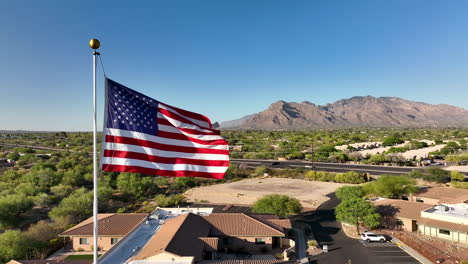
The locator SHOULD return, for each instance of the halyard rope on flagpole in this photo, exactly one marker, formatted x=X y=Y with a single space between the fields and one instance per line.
x=95 y=44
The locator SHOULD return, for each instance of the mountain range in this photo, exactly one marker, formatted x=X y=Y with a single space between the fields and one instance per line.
x=358 y=111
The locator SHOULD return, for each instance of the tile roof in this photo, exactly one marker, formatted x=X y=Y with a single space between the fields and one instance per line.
x=444 y=225
x=401 y=208
x=108 y=225
x=241 y=225
x=179 y=236
x=442 y=192
x=190 y=234
x=211 y=243
x=273 y=220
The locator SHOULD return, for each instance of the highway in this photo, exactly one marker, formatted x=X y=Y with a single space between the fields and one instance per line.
x=374 y=170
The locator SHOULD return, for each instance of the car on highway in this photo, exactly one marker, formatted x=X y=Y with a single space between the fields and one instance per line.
x=275 y=163
x=373 y=237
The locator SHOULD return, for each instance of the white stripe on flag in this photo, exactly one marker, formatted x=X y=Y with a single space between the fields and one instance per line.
x=172 y=129
x=162 y=166
x=163 y=153
x=180 y=124
x=202 y=124
x=167 y=141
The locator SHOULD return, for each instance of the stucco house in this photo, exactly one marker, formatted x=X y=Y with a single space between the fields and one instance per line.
x=448 y=221
x=112 y=228
x=194 y=238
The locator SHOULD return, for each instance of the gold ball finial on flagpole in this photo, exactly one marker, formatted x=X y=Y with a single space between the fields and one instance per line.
x=94 y=44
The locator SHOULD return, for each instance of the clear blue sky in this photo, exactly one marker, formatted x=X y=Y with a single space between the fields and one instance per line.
x=226 y=59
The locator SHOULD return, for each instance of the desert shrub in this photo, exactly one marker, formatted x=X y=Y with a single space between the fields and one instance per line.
x=350 y=177
x=280 y=205
x=460 y=185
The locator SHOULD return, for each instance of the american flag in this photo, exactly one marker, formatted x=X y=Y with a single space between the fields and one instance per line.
x=142 y=135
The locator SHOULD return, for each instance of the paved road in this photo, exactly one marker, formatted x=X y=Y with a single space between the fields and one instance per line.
x=342 y=248
x=328 y=166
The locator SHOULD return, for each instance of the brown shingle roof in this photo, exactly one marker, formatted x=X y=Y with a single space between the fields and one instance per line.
x=108 y=225
x=406 y=209
x=241 y=225
x=443 y=224
x=178 y=236
x=442 y=192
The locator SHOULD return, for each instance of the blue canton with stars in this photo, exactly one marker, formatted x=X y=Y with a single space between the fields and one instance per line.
x=130 y=110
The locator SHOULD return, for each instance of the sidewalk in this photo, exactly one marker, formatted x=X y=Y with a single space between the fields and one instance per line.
x=411 y=251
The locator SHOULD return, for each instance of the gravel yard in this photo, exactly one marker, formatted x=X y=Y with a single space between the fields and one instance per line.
x=310 y=193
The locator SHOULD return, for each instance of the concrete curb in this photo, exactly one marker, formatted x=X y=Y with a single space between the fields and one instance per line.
x=411 y=251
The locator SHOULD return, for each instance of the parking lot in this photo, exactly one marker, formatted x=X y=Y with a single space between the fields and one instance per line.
x=388 y=253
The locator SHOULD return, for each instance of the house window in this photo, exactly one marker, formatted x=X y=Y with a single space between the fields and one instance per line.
x=419 y=200
x=84 y=241
x=444 y=232
x=259 y=241
x=114 y=240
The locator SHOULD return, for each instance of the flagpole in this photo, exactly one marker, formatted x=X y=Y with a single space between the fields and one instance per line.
x=94 y=44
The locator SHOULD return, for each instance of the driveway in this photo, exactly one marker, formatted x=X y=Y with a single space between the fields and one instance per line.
x=342 y=249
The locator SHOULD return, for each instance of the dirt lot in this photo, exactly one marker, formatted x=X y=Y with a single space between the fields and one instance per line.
x=245 y=192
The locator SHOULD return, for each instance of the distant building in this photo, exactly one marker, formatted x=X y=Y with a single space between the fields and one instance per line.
x=435 y=215
x=112 y=228
x=436 y=195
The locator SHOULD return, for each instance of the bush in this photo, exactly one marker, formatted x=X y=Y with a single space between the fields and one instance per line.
x=348 y=192
x=433 y=174
x=391 y=186
x=460 y=185
x=351 y=177
x=168 y=201
x=312 y=243
x=280 y=205
x=457 y=176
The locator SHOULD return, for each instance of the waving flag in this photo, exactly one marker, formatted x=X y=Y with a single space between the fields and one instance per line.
x=142 y=135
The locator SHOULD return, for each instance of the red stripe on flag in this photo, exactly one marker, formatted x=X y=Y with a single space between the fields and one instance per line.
x=170 y=135
x=148 y=171
x=162 y=121
x=165 y=160
x=154 y=145
x=190 y=114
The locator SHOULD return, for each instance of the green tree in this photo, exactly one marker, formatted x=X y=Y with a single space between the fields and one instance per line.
x=79 y=206
x=185 y=182
x=392 y=186
x=457 y=176
x=280 y=205
x=135 y=186
x=392 y=141
x=61 y=190
x=351 y=177
x=13 y=156
x=357 y=211
x=14 y=245
x=11 y=206
x=324 y=151
x=377 y=159
x=348 y=192
x=433 y=174
x=261 y=170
